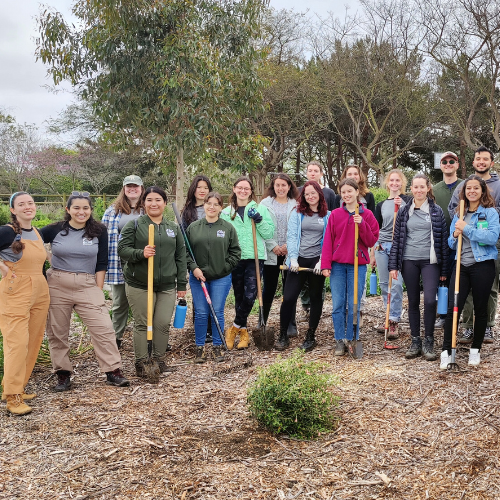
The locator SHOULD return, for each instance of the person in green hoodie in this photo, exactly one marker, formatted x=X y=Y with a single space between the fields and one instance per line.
x=170 y=271
x=217 y=252
x=240 y=212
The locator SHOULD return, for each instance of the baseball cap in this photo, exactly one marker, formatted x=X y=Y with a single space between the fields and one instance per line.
x=447 y=154
x=132 y=179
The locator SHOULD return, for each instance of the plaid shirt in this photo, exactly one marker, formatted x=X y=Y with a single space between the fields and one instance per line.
x=114 y=274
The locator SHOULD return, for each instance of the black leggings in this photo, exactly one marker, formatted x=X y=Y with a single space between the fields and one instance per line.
x=412 y=271
x=244 y=282
x=294 y=283
x=479 y=277
x=270 y=276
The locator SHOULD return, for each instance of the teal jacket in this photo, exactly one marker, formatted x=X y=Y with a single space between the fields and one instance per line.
x=265 y=230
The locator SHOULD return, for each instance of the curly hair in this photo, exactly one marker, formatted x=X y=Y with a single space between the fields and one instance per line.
x=93 y=228
x=188 y=213
x=18 y=245
x=486 y=199
x=233 y=201
x=303 y=206
x=363 y=188
x=293 y=192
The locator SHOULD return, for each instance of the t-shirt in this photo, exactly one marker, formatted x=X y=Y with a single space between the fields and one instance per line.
x=467 y=258
x=124 y=218
x=385 y=235
x=72 y=252
x=311 y=236
x=281 y=213
x=7 y=237
x=200 y=211
x=418 y=236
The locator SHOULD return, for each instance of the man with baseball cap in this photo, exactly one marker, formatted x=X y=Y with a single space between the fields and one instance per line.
x=443 y=192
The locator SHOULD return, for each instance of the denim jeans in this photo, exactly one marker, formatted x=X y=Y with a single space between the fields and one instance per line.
x=382 y=258
x=342 y=280
x=218 y=291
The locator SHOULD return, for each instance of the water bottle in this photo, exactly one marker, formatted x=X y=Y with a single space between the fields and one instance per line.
x=373 y=282
x=180 y=314
x=442 y=299
x=482 y=223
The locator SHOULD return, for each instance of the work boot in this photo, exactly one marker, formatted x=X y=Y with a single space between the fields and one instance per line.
x=428 y=349
x=63 y=381
x=466 y=336
x=140 y=369
x=339 y=348
x=488 y=335
x=164 y=368
x=201 y=357
x=310 y=341
x=16 y=405
x=116 y=378
x=393 y=332
x=292 y=328
x=415 y=348
x=244 y=339
x=381 y=328
x=231 y=333
x=283 y=341
x=26 y=397
x=218 y=354
x=119 y=343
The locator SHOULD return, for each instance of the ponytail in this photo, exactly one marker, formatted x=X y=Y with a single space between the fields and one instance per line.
x=18 y=245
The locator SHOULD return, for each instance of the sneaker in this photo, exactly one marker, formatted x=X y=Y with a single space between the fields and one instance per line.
x=201 y=357
x=440 y=323
x=445 y=360
x=393 y=333
x=428 y=349
x=488 y=335
x=381 y=328
x=415 y=348
x=466 y=336
x=339 y=348
x=16 y=405
x=218 y=354
x=116 y=378
x=63 y=381
x=474 y=357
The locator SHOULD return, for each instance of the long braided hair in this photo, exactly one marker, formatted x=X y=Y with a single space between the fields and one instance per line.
x=18 y=245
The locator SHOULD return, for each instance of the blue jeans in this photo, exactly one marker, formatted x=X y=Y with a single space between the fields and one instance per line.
x=382 y=258
x=218 y=291
x=342 y=279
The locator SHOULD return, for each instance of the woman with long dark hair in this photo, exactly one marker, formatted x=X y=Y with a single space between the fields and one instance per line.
x=79 y=246
x=194 y=208
x=306 y=229
x=24 y=300
x=127 y=206
x=479 y=229
x=242 y=209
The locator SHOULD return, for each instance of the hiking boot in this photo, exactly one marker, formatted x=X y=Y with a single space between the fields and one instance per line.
x=63 y=381
x=440 y=322
x=283 y=341
x=119 y=343
x=466 y=336
x=231 y=333
x=26 y=397
x=339 y=348
x=140 y=369
x=445 y=360
x=310 y=341
x=16 y=405
x=415 y=348
x=244 y=339
x=428 y=349
x=381 y=328
x=488 y=335
x=201 y=357
x=474 y=357
x=218 y=354
x=164 y=368
x=393 y=332
x=116 y=378
x=292 y=328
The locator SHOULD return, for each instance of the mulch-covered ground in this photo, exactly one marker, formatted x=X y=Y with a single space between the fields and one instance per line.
x=406 y=431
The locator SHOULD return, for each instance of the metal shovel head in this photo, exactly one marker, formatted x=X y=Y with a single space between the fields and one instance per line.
x=265 y=334
x=355 y=348
x=152 y=371
x=453 y=366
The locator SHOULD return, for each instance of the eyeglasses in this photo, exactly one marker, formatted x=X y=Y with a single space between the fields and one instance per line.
x=212 y=205
x=83 y=194
x=242 y=188
x=445 y=162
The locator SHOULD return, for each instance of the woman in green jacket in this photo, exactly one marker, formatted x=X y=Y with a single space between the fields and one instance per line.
x=216 y=249
x=240 y=212
x=170 y=271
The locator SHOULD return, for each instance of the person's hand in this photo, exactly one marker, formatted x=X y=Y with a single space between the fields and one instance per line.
x=149 y=251
x=459 y=226
x=284 y=249
x=294 y=265
x=317 y=268
x=253 y=214
x=277 y=250
x=394 y=275
x=4 y=269
x=373 y=261
x=357 y=219
x=442 y=278
x=198 y=274
x=398 y=200
x=326 y=273
x=181 y=295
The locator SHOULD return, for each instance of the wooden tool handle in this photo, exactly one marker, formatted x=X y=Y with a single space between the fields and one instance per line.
x=151 y=242
x=356 y=236
x=457 y=280
x=257 y=266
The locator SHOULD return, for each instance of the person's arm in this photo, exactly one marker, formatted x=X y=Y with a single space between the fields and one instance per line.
x=327 y=247
x=368 y=229
x=189 y=260
x=378 y=214
x=488 y=236
x=292 y=235
x=454 y=201
x=180 y=261
x=266 y=227
x=452 y=240
x=99 y=278
x=126 y=244
x=370 y=202
x=102 y=253
x=51 y=231
x=234 y=250
x=395 y=249
x=444 y=248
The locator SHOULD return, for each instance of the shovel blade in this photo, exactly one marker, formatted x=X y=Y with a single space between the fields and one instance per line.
x=265 y=336
x=355 y=349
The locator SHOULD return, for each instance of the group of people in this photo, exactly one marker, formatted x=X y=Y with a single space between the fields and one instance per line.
x=302 y=234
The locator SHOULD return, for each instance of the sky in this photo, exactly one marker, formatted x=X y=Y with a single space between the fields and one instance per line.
x=24 y=81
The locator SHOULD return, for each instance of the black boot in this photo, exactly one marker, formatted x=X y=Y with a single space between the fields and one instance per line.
x=310 y=341
x=63 y=381
x=415 y=348
x=428 y=349
x=292 y=328
x=283 y=341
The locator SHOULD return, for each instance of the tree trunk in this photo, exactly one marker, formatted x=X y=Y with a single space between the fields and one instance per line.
x=297 y=167
x=463 y=147
x=179 y=186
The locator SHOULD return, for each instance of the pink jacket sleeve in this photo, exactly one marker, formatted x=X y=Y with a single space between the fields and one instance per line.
x=327 y=250
x=368 y=229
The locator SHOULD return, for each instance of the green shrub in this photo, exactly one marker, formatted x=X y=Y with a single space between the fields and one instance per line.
x=4 y=214
x=292 y=397
x=99 y=208
x=380 y=194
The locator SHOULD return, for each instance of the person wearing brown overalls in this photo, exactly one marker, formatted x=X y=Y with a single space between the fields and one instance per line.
x=24 y=300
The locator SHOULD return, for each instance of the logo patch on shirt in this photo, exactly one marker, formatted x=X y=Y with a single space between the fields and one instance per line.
x=427 y=218
x=87 y=241
x=321 y=221
x=221 y=234
x=170 y=233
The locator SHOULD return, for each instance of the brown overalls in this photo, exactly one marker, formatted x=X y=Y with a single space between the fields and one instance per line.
x=24 y=304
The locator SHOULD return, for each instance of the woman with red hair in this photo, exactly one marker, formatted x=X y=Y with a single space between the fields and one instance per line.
x=306 y=229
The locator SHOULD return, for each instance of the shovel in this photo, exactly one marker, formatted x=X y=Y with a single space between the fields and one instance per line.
x=355 y=347
x=453 y=366
x=263 y=336
x=301 y=269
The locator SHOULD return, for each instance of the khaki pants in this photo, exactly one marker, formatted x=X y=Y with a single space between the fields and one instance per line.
x=163 y=308
x=79 y=291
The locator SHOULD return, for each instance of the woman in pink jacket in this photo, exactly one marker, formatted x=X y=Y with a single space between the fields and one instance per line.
x=337 y=258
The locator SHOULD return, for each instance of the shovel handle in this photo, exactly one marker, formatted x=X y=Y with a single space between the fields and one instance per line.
x=151 y=242
x=457 y=281
x=257 y=266
x=305 y=269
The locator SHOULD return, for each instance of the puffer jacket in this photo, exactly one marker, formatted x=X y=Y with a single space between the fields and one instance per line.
x=439 y=234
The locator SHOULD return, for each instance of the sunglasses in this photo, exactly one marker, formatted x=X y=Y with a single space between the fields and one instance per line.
x=83 y=194
x=445 y=162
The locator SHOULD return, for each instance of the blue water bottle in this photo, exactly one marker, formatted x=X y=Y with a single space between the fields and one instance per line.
x=442 y=299
x=180 y=314
x=373 y=282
